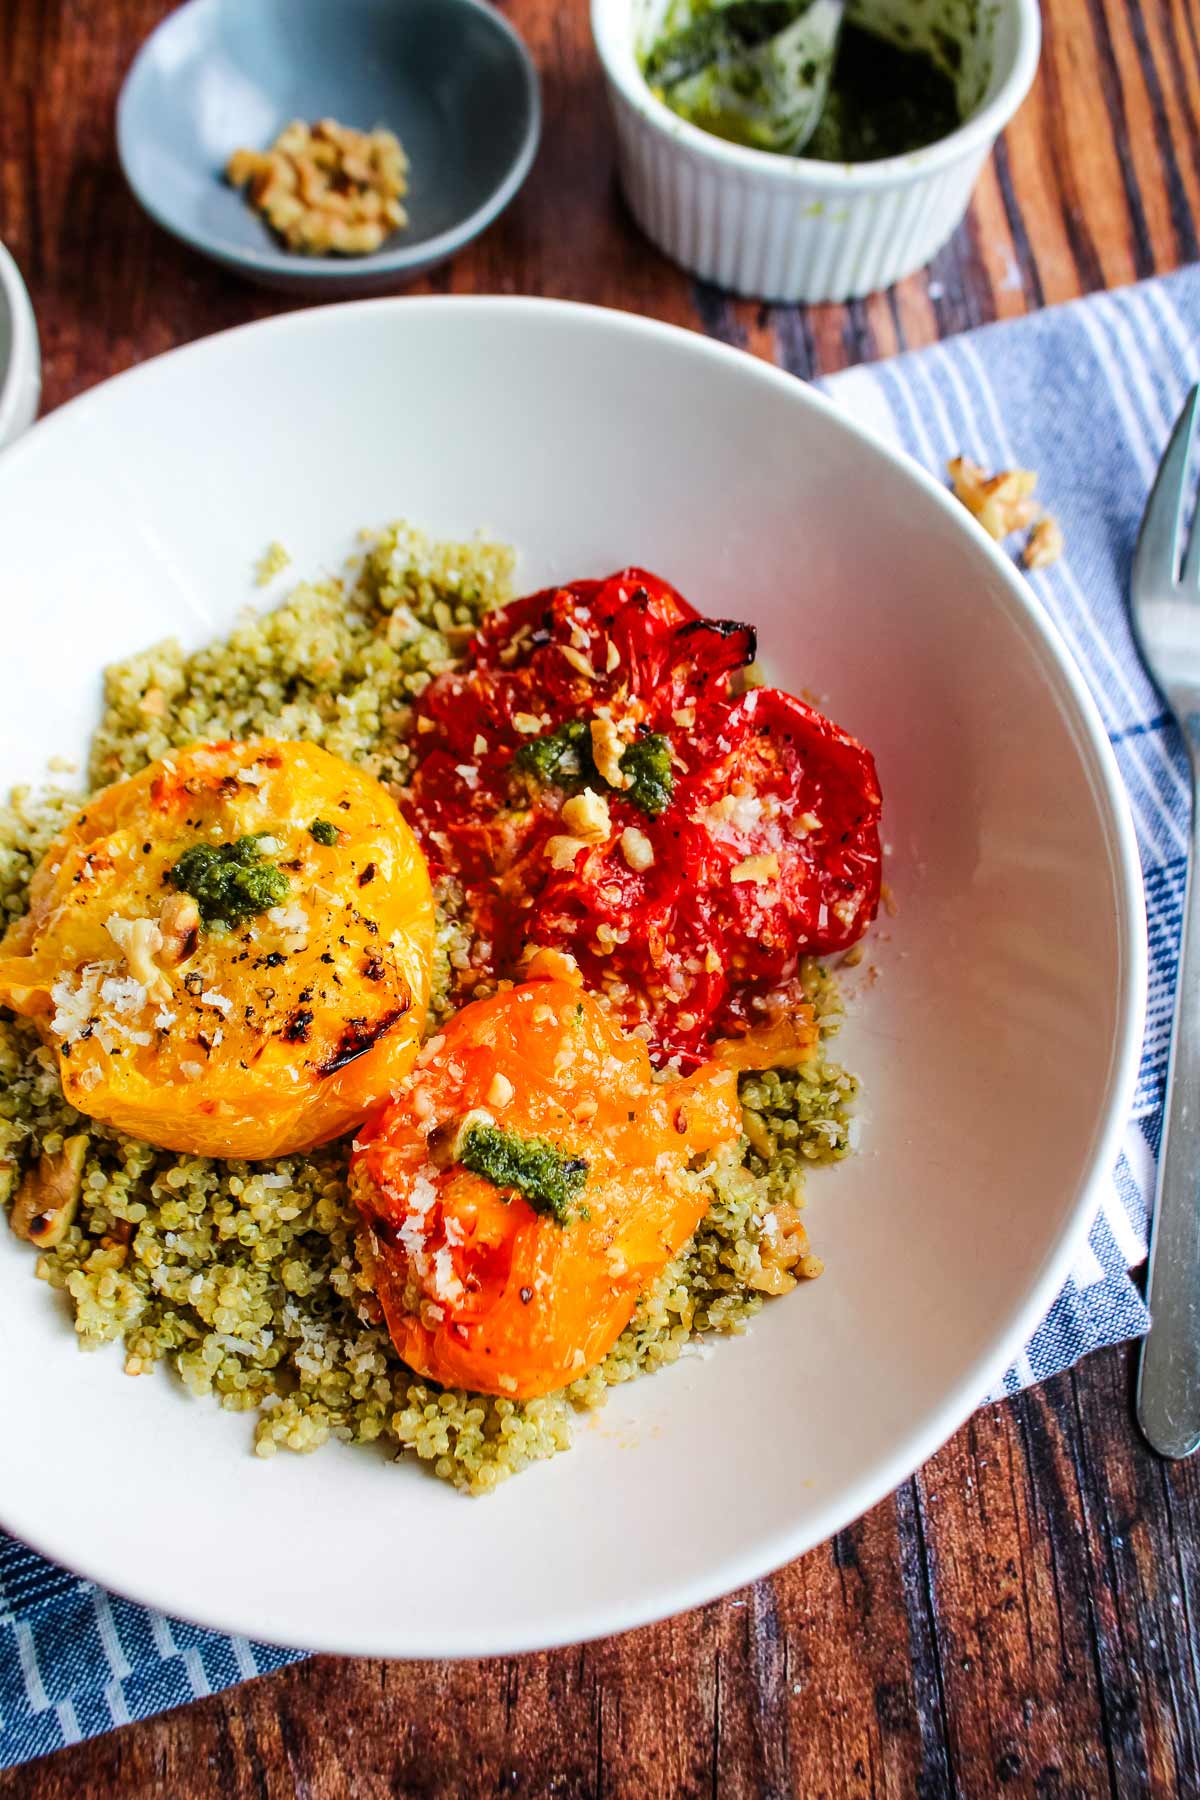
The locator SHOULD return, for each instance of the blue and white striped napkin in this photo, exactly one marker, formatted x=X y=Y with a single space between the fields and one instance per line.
x=1086 y=395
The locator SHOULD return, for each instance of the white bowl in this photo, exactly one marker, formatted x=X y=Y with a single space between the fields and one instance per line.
x=20 y=362
x=788 y=229
x=997 y=1045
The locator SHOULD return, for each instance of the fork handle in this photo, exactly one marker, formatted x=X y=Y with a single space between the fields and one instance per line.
x=1168 y=1398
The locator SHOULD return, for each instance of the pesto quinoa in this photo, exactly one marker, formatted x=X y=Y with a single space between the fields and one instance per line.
x=244 y=1277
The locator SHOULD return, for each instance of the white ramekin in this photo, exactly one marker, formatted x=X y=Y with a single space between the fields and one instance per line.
x=787 y=229
x=20 y=360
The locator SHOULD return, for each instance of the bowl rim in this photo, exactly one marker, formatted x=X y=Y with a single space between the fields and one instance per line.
x=404 y=258
x=21 y=379
x=609 y=21
x=453 y=1639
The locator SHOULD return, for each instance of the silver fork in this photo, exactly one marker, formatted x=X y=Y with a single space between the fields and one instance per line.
x=1165 y=596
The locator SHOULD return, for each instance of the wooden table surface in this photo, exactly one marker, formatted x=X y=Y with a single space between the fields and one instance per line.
x=1021 y=1617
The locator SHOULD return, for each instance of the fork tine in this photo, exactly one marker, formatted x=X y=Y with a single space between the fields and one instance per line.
x=1191 y=559
x=1156 y=559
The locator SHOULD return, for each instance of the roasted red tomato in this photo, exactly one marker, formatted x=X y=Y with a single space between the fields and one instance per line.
x=596 y=785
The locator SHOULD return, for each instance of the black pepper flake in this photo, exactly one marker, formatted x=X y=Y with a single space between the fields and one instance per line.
x=526 y=1296
x=345 y=805
x=145 y=849
x=326 y=957
x=367 y=876
x=298 y=1026
x=194 y=984
x=373 y=967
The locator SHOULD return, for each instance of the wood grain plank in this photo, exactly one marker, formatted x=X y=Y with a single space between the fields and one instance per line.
x=1021 y=1619
x=1007 y=263
x=1016 y=1650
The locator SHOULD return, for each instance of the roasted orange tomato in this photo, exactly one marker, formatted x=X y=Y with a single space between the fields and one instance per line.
x=529 y=1180
x=229 y=951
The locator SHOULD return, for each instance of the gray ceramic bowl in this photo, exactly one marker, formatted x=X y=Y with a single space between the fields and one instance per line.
x=450 y=77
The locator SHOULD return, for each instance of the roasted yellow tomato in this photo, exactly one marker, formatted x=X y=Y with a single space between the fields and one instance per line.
x=528 y=1181
x=230 y=951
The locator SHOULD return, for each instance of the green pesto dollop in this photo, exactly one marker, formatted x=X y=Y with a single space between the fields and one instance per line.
x=646 y=765
x=229 y=882
x=547 y=1177
x=323 y=832
x=563 y=758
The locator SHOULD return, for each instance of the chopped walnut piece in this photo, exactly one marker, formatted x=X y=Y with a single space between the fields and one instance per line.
x=637 y=849
x=539 y=963
x=782 y=1250
x=48 y=1196
x=1044 y=545
x=501 y=1091
x=607 y=751
x=578 y=661
x=327 y=187
x=1002 y=503
x=587 y=816
x=562 y=850
x=179 y=928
